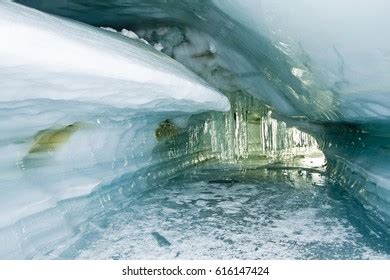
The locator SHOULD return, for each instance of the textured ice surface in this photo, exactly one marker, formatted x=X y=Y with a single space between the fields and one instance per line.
x=358 y=153
x=337 y=49
x=253 y=215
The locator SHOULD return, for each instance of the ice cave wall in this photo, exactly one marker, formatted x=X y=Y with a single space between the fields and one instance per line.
x=73 y=108
x=310 y=78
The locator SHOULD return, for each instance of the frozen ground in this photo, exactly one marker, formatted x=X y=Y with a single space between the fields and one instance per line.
x=271 y=214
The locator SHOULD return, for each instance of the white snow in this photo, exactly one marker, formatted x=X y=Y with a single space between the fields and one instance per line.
x=56 y=72
x=64 y=60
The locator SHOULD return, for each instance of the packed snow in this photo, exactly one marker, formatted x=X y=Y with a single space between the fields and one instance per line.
x=70 y=96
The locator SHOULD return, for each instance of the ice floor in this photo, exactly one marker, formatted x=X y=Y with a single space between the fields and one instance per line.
x=227 y=214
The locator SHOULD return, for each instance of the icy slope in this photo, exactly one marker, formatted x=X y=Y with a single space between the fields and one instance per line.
x=73 y=103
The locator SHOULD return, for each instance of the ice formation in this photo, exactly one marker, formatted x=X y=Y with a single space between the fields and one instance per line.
x=71 y=97
x=90 y=114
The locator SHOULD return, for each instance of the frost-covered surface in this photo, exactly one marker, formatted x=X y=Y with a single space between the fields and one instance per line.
x=249 y=216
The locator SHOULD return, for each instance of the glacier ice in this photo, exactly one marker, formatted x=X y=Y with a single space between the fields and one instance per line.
x=338 y=49
x=343 y=64
x=92 y=66
x=70 y=87
x=93 y=109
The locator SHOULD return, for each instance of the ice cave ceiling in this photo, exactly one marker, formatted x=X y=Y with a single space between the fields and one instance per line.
x=317 y=72
x=315 y=67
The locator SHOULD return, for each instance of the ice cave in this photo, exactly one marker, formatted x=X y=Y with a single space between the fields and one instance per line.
x=194 y=129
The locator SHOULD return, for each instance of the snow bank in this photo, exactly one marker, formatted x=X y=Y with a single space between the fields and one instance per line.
x=79 y=106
